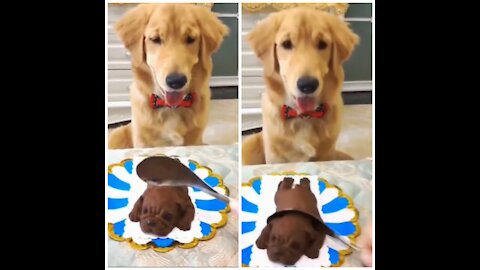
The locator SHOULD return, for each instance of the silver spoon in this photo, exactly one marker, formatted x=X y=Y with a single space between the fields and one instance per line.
x=166 y=171
x=335 y=236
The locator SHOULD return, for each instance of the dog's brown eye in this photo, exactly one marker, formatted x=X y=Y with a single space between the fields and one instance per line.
x=167 y=216
x=190 y=40
x=287 y=44
x=156 y=40
x=144 y=210
x=322 y=45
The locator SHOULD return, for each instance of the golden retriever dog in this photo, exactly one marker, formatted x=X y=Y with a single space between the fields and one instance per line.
x=171 y=47
x=302 y=51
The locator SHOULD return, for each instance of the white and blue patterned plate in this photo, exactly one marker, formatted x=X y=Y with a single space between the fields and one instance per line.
x=335 y=207
x=125 y=187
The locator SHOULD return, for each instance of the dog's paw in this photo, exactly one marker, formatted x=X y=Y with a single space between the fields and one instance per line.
x=195 y=122
x=175 y=139
x=276 y=159
x=307 y=149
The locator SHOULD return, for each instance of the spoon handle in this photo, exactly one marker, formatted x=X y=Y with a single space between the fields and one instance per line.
x=201 y=185
x=215 y=194
x=351 y=245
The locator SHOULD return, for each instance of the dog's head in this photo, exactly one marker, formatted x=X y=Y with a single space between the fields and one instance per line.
x=172 y=42
x=160 y=209
x=288 y=237
x=302 y=51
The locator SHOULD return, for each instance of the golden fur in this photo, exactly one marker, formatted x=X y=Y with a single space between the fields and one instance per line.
x=297 y=140
x=173 y=24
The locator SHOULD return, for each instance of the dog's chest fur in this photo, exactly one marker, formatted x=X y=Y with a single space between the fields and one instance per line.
x=166 y=126
x=299 y=139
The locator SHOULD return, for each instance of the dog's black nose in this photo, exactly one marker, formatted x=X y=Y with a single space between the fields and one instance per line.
x=176 y=80
x=307 y=84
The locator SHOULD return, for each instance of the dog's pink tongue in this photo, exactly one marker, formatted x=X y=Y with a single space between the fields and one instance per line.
x=174 y=98
x=306 y=104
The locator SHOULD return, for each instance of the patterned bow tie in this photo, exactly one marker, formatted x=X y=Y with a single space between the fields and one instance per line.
x=289 y=112
x=157 y=102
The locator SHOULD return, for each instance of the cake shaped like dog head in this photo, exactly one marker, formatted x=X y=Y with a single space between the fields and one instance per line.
x=296 y=228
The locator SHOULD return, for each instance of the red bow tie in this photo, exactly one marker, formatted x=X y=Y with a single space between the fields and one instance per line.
x=289 y=112
x=157 y=102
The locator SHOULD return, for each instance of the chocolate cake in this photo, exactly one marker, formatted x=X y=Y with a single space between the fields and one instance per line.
x=162 y=208
x=296 y=228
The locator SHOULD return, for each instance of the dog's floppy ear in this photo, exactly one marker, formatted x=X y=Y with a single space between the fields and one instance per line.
x=262 y=41
x=344 y=41
x=188 y=212
x=212 y=32
x=137 y=210
x=262 y=241
x=315 y=241
x=130 y=28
